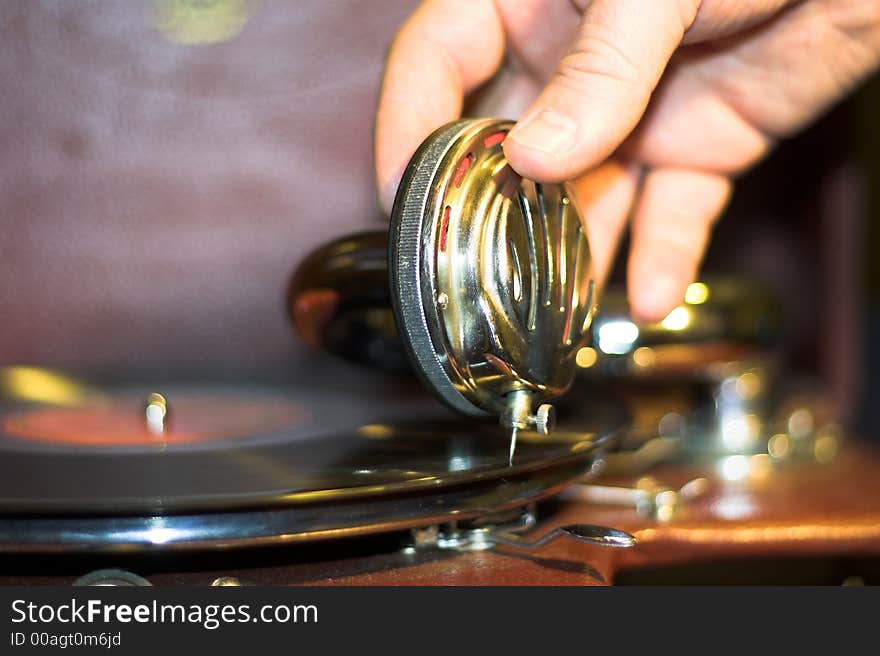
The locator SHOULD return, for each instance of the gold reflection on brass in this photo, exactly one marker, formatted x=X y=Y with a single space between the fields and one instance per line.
x=35 y=385
x=779 y=446
x=586 y=357
x=697 y=293
x=644 y=356
x=197 y=22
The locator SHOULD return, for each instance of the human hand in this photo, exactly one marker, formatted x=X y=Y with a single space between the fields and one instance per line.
x=649 y=107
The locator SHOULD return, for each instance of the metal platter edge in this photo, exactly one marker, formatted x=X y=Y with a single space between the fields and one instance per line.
x=278 y=526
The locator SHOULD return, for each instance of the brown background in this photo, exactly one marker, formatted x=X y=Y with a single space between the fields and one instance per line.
x=155 y=196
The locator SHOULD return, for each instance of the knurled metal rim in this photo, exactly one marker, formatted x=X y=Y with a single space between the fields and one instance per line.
x=408 y=225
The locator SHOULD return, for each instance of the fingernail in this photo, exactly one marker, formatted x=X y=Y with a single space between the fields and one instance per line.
x=546 y=131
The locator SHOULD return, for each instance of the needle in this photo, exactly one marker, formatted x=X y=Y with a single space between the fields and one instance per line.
x=512 y=445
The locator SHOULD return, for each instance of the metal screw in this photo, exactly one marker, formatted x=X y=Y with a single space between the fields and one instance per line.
x=518 y=413
x=156 y=413
x=545 y=419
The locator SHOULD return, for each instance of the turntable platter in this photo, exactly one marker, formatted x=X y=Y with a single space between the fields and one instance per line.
x=249 y=465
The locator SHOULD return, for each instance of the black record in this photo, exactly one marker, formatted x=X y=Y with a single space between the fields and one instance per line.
x=248 y=465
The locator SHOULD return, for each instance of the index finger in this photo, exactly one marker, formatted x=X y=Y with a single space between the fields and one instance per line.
x=443 y=51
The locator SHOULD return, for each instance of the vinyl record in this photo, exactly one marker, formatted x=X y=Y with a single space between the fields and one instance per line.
x=245 y=465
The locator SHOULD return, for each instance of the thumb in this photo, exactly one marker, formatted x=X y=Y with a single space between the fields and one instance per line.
x=600 y=89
